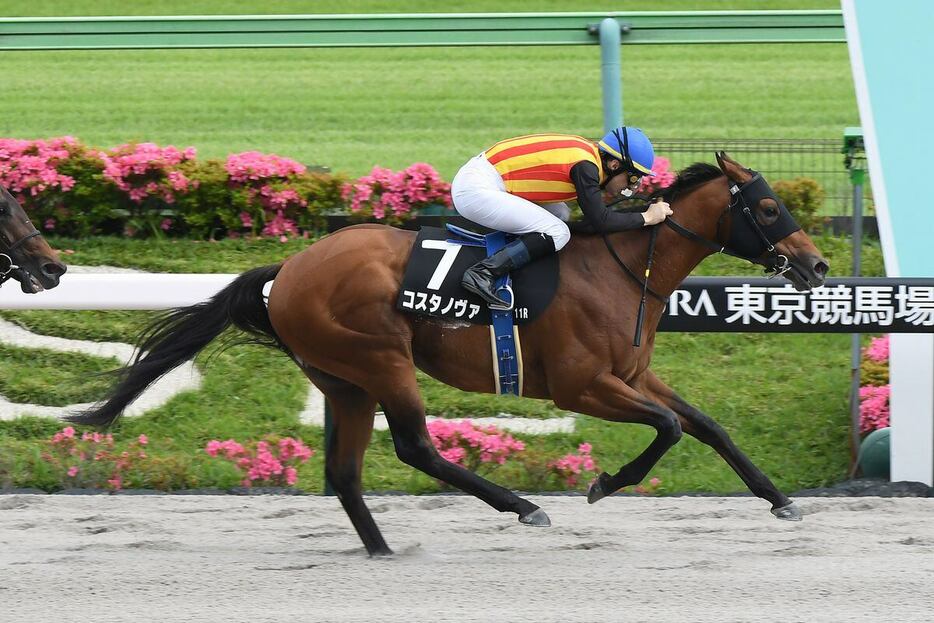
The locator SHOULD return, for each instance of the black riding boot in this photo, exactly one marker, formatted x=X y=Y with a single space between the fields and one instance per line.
x=481 y=277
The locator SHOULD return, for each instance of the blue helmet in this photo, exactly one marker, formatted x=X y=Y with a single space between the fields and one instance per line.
x=632 y=147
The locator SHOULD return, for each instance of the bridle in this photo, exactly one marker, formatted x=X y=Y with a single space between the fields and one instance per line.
x=750 y=192
x=737 y=246
x=8 y=268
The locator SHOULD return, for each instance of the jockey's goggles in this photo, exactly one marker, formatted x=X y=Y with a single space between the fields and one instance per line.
x=634 y=181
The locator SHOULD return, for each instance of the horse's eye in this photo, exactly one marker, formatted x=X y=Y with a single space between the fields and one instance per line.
x=771 y=212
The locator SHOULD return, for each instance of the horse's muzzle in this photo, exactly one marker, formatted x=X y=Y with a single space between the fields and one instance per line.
x=50 y=272
x=807 y=272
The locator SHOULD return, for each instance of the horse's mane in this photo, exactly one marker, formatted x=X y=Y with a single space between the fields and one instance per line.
x=688 y=178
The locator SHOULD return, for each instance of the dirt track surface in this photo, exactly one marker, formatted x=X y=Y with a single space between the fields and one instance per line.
x=282 y=558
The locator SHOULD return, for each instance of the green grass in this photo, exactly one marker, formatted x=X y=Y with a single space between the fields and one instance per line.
x=351 y=109
x=785 y=403
x=176 y=255
x=794 y=425
x=12 y=8
x=233 y=256
x=446 y=401
x=781 y=397
x=50 y=377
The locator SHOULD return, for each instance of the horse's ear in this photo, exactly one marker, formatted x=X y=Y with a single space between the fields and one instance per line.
x=733 y=170
x=724 y=161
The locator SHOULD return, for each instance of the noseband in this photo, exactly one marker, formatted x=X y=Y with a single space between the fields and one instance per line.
x=7 y=267
x=748 y=193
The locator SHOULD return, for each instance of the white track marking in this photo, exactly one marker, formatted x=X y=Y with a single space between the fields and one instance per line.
x=186 y=377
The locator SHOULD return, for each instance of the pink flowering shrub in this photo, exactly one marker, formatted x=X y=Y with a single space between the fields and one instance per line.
x=28 y=168
x=146 y=171
x=91 y=460
x=541 y=471
x=650 y=488
x=878 y=349
x=255 y=168
x=58 y=182
x=873 y=407
x=875 y=390
x=664 y=177
x=141 y=189
x=394 y=197
x=471 y=446
x=259 y=195
x=570 y=467
x=150 y=179
x=260 y=189
x=270 y=462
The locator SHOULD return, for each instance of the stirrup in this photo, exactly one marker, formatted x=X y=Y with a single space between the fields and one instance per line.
x=512 y=298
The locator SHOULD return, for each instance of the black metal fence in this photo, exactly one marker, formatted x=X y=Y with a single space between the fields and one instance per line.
x=777 y=159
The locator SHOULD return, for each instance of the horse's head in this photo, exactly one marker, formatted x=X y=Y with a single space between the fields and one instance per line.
x=762 y=229
x=24 y=254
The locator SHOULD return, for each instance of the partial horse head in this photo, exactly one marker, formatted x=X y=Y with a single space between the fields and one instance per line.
x=24 y=254
x=763 y=231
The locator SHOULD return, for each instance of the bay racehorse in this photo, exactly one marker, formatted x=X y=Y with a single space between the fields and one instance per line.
x=332 y=309
x=24 y=254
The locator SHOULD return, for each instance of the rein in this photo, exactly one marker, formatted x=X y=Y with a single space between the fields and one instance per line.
x=629 y=271
x=776 y=263
x=640 y=317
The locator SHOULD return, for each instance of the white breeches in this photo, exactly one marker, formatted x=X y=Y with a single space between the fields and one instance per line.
x=479 y=194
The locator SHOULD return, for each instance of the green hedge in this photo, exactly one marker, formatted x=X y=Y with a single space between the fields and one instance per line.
x=141 y=190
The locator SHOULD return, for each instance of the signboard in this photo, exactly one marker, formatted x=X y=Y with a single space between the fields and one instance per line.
x=891 y=48
x=850 y=305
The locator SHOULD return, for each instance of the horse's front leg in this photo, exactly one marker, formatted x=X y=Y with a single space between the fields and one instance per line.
x=405 y=413
x=704 y=429
x=609 y=398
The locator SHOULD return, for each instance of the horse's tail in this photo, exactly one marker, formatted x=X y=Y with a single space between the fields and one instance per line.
x=180 y=334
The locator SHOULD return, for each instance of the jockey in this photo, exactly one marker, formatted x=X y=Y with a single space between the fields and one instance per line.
x=520 y=186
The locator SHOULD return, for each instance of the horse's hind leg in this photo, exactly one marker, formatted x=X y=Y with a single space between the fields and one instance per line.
x=706 y=430
x=406 y=415
x=609 y=398
x=352 y=410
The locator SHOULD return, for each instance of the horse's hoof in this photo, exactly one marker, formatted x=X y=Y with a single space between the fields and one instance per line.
x=789 y=512
x=383 y=552
x=536 y=518
x=596 y=491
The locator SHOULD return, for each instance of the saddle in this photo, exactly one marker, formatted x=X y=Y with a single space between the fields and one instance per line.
x=431 y=283
x=431 y=286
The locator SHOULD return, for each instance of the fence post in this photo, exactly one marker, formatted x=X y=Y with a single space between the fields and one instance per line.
x=855 y=163
x=610 y=44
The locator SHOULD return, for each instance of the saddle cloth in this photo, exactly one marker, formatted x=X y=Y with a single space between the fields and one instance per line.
x=431 y=284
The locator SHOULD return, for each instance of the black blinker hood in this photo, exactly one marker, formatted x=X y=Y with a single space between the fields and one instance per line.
x=748 y=237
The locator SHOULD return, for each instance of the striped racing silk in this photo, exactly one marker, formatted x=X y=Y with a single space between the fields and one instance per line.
x=537 y=167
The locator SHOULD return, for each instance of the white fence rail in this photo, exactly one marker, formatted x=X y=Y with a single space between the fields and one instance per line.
x=118 y=291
